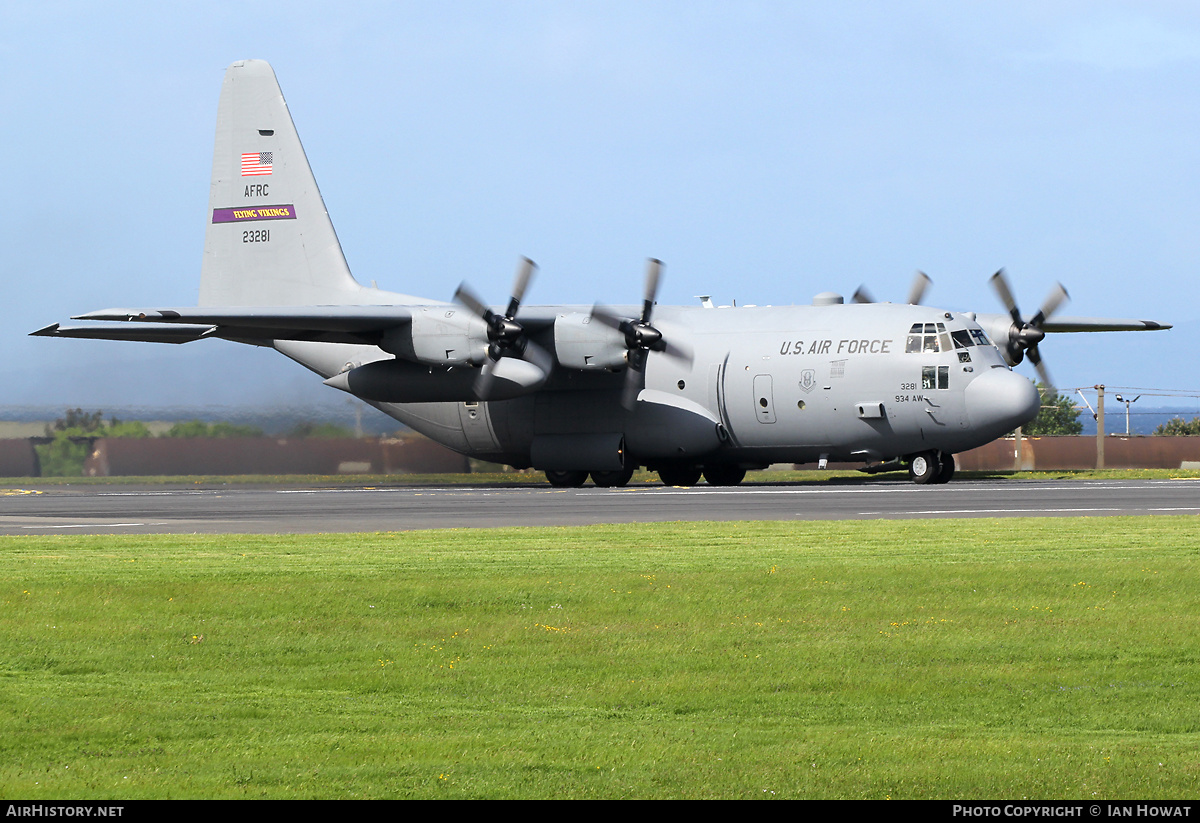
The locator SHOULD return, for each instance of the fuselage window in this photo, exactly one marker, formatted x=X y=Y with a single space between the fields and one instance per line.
x=935 y=377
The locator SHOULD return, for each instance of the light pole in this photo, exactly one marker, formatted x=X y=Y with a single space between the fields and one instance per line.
x=1127 y=401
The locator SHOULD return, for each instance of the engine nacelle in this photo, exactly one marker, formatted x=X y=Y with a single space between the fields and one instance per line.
x=1005 y=334
x=399 y=381
x=581 y=343
x=439 y=336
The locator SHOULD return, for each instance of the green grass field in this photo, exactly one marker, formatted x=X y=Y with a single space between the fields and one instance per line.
x=1043 y=658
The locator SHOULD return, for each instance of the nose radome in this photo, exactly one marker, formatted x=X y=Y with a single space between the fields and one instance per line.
x=1000 y=400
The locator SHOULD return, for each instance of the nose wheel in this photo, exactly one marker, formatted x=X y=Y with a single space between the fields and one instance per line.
x=931 y=467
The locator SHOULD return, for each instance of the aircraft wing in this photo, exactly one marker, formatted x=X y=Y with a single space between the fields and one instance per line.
x=1079 y=324
x=1072 y=324
x=331 y=324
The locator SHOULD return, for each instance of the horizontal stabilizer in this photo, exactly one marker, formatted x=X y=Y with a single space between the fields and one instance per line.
x=330 y=324
x=135 y=332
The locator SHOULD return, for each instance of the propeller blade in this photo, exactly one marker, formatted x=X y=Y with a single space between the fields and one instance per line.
x=468 y=298
x=675 y=344
x=538 y=356
x=1057 y=296
x=635 y=379
x=606 y=317
x=1000 y=284
x=653 y=272
x=483 y=383
x=1035 y=358
x=679 y=351
x=525 y=272
x=862 y=296
x=917 y=290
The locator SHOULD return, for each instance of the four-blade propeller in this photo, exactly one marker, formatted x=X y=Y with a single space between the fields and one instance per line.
x=1024 y=336
x=505 y=335
x=641 y=338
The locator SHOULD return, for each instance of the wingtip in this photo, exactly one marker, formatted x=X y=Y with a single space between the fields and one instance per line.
x=46 y=331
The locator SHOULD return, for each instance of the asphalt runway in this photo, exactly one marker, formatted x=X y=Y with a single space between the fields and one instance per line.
x=297 y=510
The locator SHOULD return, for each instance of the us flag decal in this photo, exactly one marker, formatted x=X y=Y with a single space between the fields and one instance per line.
x=256 y=164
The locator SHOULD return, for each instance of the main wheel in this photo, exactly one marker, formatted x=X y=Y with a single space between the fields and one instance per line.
x=679 y=477
x=724 y=475
x=566 y=479
x=615 y=478
x=947 y=469
x=924 y=467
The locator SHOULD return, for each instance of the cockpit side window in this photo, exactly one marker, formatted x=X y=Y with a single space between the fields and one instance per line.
x=935 y=377
x=962 y=339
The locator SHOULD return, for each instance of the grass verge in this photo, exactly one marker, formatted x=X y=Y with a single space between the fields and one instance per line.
x=1041 y=658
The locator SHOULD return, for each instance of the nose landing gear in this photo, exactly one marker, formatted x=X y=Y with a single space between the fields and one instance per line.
x=931 y=467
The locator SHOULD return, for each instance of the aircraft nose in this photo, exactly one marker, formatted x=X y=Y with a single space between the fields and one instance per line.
x=1000 y=400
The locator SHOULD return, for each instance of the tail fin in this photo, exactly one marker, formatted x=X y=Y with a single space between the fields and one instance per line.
x=269 y=240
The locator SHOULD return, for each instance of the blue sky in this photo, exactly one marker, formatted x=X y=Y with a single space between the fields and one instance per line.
x=766 y=151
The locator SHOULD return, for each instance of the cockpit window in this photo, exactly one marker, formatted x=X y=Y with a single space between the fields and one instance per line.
x=962 y=339
x=966 y=338
x=928 y=337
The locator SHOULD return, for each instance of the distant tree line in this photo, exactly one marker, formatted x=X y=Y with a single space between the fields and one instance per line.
x=1058 y=415
x=1177 y=426
x=198 y=428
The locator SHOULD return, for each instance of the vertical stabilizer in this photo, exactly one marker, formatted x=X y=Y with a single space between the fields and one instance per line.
x=269 y=240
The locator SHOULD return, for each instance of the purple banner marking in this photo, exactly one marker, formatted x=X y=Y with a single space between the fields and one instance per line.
x=242 y=215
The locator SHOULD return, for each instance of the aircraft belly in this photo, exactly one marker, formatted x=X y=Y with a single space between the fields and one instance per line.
x=440 y=422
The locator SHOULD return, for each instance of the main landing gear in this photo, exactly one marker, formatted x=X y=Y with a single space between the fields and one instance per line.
x=718 y=474
x=575 y=479
x=931 y=467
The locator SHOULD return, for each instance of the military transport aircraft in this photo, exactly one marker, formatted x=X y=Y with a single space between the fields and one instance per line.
x=578 y=391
